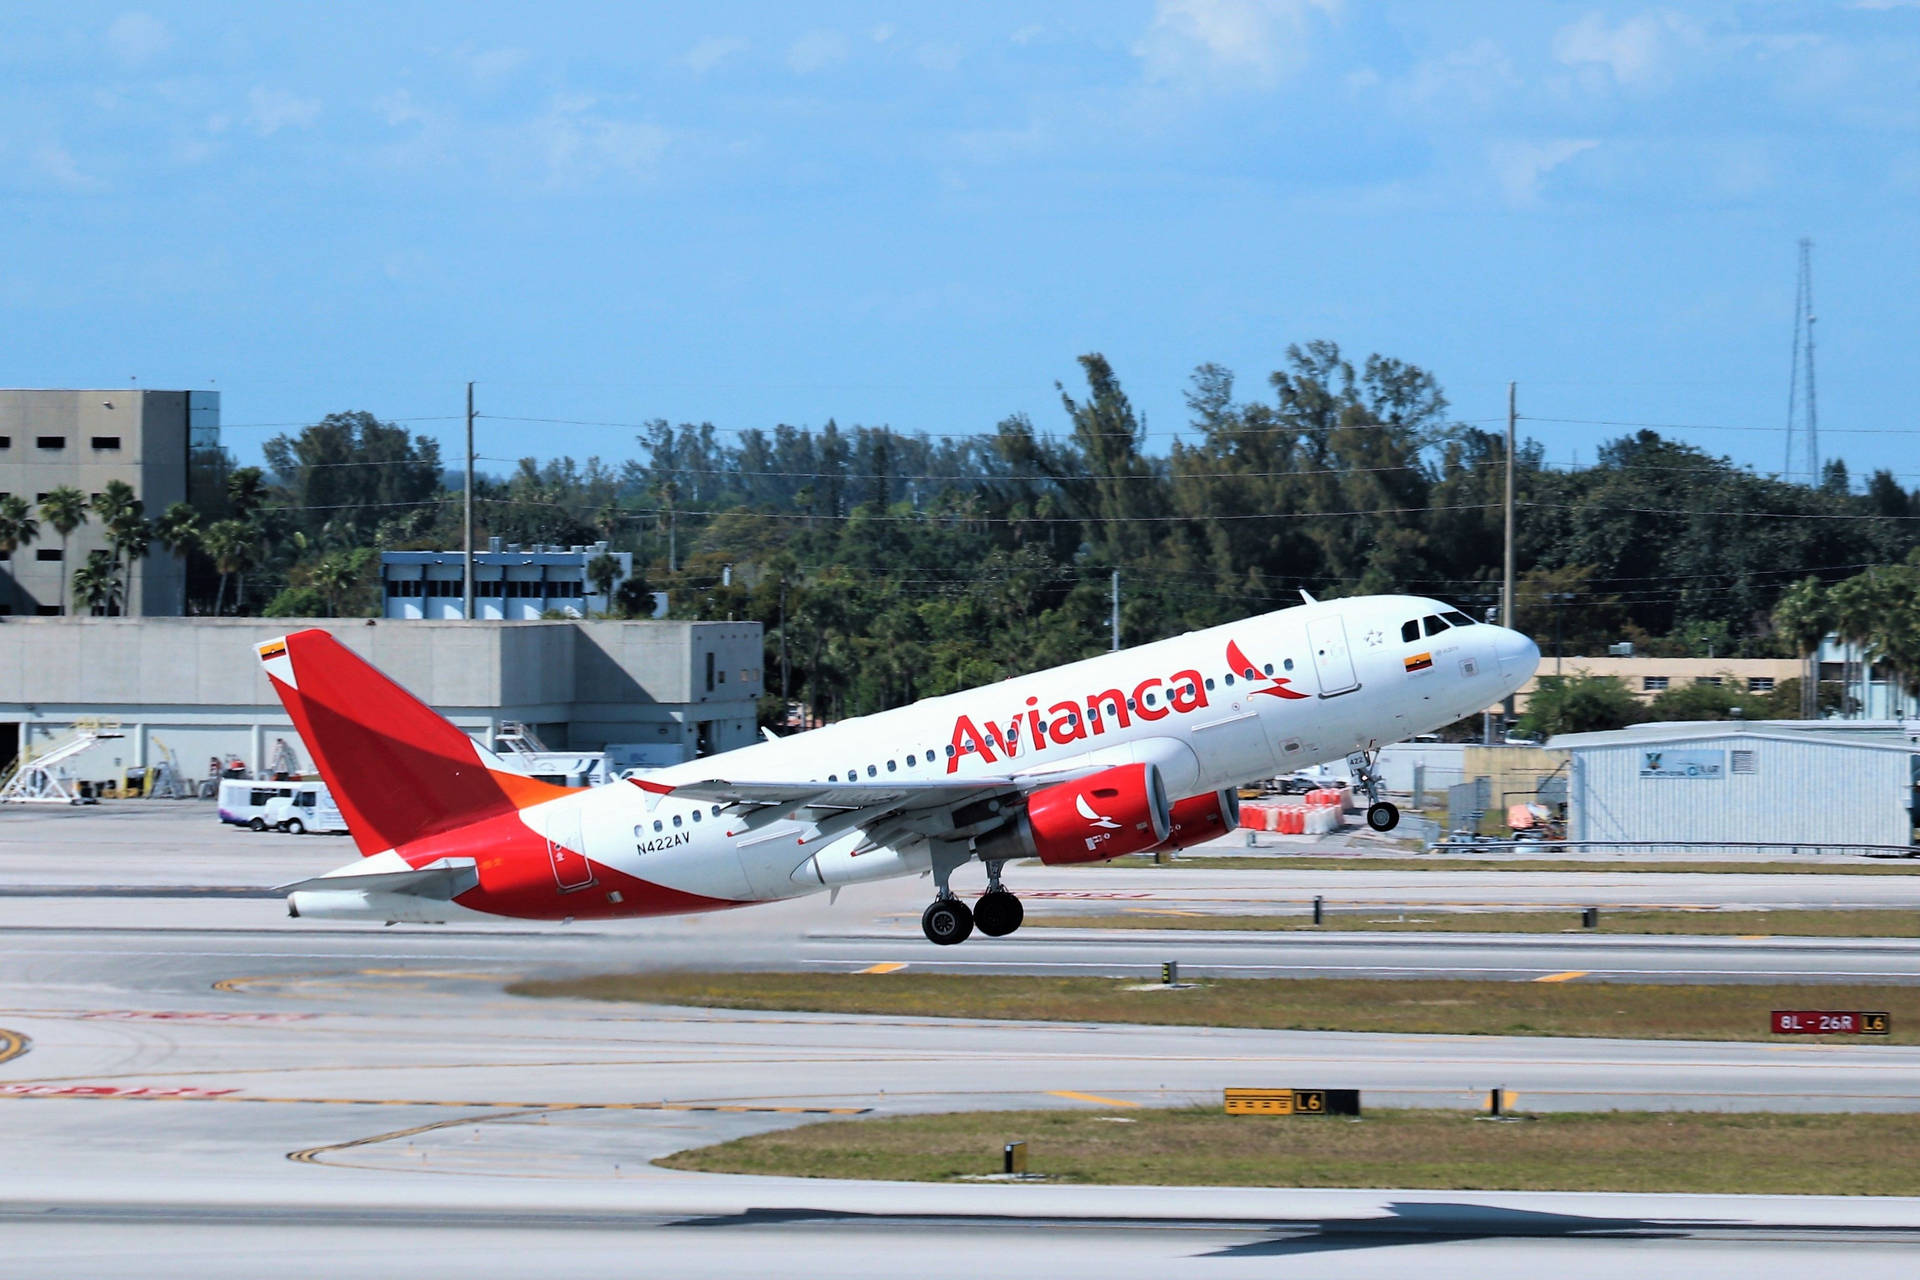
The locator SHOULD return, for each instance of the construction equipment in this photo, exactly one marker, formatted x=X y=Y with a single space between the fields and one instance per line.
x=44 y=779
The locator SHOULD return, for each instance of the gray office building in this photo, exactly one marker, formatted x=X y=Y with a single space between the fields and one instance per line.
x=85 y=439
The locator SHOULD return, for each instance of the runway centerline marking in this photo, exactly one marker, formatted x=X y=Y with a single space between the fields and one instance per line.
x=113 y=1093
x=1094 y=1098
x=1567 y=976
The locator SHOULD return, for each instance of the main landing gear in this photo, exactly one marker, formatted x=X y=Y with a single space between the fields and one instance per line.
x=949 y=921
x=1381 y=815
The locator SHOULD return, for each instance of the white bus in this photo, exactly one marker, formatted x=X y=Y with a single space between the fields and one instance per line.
x=243 y=801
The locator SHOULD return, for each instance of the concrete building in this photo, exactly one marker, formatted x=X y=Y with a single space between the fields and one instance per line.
x=85 y=439
x=1728 y=781
x=510 y=582
x=1646 y=678
x=1870 y=689
x=661 y=692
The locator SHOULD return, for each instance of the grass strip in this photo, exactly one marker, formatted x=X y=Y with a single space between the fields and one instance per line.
x=1558 y=866
x=1650 y=1011
x=1866 y=923
x=1778 y=1154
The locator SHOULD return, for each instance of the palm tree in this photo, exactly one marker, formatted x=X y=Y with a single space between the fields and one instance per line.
x=17 y=525
x=603 y=571
x=1858 y=610
x=231 y=544
x=246 y=490
x=96 y=584
x=333 y=577
x=178 y=530
x=1804 y=615
x=65 y=509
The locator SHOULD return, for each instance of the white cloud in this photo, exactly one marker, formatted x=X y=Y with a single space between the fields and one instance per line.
x=1027 y=34
x=816 y=51
x=57 y=165
x=1519 y=166
x=1639 y=53
x=712 y=51
x=1477 y=74
x=398 y=108
x=271 y=110
x=491 y=65
x=135 y=38
x=883 y=33
x=1256 y=43
x=579 y=142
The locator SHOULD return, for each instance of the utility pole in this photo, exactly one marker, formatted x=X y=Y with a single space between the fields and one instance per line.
x=1506 y=571
x=1506 y=574
x=1116 y=611
x=467 y=594
x=784 y=667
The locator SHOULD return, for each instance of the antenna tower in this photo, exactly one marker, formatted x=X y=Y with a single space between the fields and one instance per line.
x=1803 y=406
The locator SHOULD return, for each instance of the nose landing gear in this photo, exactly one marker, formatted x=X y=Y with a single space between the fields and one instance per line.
x=1381 y=815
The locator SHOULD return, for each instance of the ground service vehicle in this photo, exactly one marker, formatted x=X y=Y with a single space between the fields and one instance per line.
x=309 y=808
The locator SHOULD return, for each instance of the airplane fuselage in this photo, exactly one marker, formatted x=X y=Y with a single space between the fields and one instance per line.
x=1210 y=709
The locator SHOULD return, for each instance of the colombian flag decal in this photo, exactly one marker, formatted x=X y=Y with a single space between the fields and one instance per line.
x=1419 y=662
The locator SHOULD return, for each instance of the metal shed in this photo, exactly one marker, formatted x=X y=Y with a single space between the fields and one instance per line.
x=1733 y=782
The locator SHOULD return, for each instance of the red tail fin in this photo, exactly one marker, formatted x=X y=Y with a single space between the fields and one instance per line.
x=397 y=769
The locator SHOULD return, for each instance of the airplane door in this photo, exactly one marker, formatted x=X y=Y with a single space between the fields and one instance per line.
x=571 y=870
x=1332 y=660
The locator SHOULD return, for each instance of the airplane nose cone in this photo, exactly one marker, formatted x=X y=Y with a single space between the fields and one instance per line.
x=1518 y=655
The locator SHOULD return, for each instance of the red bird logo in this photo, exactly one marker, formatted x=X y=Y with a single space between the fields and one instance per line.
x=1238 y=664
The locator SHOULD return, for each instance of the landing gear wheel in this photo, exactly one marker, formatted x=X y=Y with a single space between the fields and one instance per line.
x=998 y=913
x=947 y=922
x=1382 y=816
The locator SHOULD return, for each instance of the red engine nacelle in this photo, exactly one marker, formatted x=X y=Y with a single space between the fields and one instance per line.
x=1116 y=811
x=1198 y=819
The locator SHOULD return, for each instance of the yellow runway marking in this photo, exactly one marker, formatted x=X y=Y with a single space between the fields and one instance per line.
x=1091 y=1097
x=1568 y=976
x=12 y=1044
x=886 y=966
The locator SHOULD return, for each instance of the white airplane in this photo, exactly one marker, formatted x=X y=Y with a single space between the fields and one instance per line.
x=1128 y=752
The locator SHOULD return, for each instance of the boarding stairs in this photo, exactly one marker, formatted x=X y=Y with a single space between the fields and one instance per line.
x=43 y=779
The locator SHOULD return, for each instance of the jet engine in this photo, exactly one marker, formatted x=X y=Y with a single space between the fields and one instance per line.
x=1104 y=815
x=1198 y=819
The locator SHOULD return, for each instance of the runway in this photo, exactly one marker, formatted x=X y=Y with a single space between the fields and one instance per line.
x=202 y=1087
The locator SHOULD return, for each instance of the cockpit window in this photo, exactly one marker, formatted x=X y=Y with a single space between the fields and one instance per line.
x=1457 y=618
x=1434 y=625
x=1410 y=631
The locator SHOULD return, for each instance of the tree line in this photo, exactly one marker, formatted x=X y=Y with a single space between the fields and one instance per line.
x=888 y=565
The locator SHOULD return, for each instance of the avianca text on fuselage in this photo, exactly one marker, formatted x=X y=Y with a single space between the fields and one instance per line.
x=1064 y=723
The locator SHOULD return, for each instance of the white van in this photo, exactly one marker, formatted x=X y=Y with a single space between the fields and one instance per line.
x=243 y=801
x=309 y=808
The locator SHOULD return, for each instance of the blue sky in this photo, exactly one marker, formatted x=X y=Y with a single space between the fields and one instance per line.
x=919 y=215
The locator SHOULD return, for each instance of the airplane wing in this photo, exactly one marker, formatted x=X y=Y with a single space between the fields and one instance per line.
x=886 y=810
